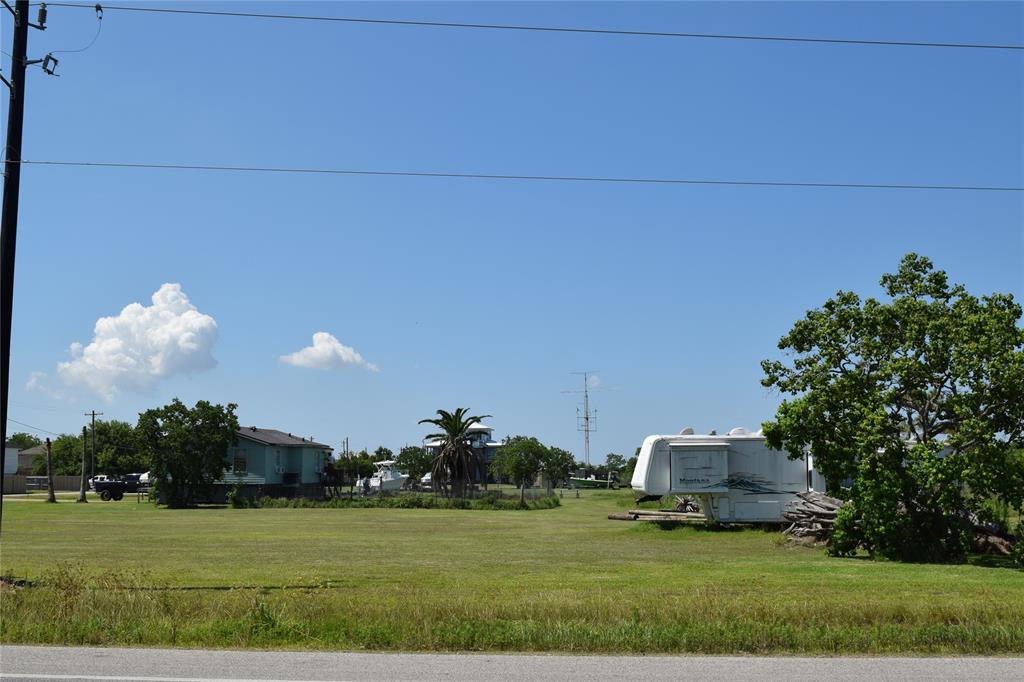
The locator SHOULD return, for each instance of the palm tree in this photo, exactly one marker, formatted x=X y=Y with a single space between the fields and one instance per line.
x=456 y=465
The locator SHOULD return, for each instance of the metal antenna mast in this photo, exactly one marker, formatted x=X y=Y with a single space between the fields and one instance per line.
x=586 y=419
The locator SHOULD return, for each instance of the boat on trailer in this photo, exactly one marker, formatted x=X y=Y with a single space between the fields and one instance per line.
x=735 y=477
x=592 y=481
x=386 y=479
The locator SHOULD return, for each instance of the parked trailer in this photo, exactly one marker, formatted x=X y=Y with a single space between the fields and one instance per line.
x=110 y=490
x=736 y=477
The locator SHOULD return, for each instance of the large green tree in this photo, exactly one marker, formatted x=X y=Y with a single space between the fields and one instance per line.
x=520 y=459
x=415 y=461
x=23 y=441
x=615 y=462
x=186 y=447
x=916 y=402
x=628 y=469
x=117 y=451
x=556 y=465
x=456 y=465
x=66 y=451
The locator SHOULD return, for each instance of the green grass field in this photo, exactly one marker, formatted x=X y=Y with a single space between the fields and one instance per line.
x=564 y=579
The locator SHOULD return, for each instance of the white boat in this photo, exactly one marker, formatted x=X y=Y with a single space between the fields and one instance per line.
x=736 y=476
x=387 y=478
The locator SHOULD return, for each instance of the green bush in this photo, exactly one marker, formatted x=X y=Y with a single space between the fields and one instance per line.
x=1017 y=553
x=236 y=498
x=490 y=501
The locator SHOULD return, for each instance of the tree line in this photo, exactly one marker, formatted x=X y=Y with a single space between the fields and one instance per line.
x=117 y=450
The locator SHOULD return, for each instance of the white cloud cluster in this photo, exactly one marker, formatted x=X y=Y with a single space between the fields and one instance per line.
x=39 y=382
x=327 y=353
x=142 y=345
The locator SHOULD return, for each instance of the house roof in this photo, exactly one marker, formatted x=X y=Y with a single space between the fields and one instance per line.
x=34 y=450
x=275 y=437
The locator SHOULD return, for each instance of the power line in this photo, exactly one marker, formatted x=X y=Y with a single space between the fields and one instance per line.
x=115 y=446
x=545 y=29
x=503 y=176
x=34 y=428
x=99 y=29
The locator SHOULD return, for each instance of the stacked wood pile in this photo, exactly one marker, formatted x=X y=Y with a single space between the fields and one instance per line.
x=811 y=516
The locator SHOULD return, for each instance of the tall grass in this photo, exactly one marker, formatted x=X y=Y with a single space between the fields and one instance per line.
x=490 y=502
x=566 y=579
x=69 y=605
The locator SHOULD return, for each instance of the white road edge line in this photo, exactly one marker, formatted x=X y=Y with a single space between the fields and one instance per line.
x=139 y=678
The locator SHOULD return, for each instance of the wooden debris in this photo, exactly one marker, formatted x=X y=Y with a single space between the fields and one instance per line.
x=686 y=505
x=993 y=544
x=811 y=515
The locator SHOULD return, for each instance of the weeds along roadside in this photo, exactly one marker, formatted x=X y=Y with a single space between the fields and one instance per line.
x=70 y=605
x=485 y=502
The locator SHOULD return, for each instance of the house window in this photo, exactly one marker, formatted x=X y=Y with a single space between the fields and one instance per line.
x=239 y=465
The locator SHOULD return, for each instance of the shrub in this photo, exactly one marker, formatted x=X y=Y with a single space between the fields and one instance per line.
x=236 y=498
x=493 y=501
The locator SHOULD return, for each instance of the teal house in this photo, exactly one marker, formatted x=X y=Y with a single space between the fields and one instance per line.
x=275 y=463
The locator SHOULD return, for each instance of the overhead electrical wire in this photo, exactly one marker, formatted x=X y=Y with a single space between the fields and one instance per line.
x=544 y=29
x=509 y=176
x=34 y=428
x=99 y=29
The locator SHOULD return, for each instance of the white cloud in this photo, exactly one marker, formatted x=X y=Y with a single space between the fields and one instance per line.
x=39 y=382
x=35 y=381
x=593 y=381
x=142 y=345
x=327 y=353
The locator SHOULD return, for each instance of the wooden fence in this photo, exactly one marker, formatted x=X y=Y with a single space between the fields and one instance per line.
x=14 y=485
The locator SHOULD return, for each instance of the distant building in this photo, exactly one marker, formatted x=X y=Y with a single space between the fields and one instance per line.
x=10 y=459
x=275 y=463
x=27 y=459
x=481 y=440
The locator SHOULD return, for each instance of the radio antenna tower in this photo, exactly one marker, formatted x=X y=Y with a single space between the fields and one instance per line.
x=586 y=419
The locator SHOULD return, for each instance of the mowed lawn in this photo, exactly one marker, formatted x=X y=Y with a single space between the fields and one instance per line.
x=565 y=579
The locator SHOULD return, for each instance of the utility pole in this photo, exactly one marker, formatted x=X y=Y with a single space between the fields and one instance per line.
x=92 y=461
x=84 y=484
x=9 y=210
x=9 y=217
x=50 y=497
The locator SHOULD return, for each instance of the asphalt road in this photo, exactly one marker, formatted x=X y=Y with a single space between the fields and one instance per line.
x=182 y=665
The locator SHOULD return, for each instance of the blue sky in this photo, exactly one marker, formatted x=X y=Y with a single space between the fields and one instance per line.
x=480 y=293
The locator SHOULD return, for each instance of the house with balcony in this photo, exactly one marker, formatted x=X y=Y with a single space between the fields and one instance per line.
x=481 y=439
x=274 y=463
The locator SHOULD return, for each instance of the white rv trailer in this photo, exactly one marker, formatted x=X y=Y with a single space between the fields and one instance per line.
x=735 y=477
